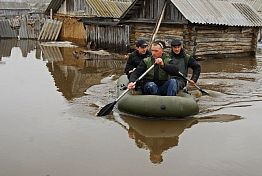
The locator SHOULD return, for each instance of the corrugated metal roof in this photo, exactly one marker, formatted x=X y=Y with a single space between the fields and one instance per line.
x=14 y=5
x=218 y=12
x=106 y=8
x=54 y=5
x=256 y=4
x=6 y=31
x=102 y=8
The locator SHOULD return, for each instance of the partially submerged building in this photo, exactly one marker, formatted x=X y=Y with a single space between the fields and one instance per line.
x=19 y=20
x=92 y=22
x=11 y=9
x=207 y=27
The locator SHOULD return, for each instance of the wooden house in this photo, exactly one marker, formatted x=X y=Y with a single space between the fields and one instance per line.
x=18 y=21
x=92 y=22
x=11 y=9
x=38 y=6
x=207 y=27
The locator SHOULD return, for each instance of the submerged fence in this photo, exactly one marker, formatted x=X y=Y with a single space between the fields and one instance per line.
x=6 y=31
x=25 y=27
x=50 y=30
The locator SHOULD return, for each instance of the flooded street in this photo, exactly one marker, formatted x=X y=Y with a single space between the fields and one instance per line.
x=50 y=95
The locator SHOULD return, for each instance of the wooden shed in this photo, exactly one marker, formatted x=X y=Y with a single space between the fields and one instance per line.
x=11 y=9
x=207 y=27
x=93 y=22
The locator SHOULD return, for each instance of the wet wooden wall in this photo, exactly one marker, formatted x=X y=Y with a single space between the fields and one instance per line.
x=202 y=40
x=22 y=27
x=145 y=31
x=108 y=37
x=221 y=40
x=72 y=29
x=75 y=7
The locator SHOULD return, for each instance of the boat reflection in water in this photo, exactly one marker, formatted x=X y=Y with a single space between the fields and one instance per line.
x=158 y=136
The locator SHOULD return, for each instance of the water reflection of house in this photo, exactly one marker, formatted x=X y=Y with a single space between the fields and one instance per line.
x=229 y=65
x=26 y=46
x=51 y=53
x=208 y=27
x=99 y=17
x=6 y=47
x=73 y=76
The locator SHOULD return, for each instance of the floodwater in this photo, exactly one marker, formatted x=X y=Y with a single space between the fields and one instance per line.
x=50 y=95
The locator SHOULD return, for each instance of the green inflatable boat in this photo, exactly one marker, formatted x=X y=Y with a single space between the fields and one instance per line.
x=180 y=106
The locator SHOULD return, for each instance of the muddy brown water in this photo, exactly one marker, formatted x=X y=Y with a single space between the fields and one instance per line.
x=49 y=99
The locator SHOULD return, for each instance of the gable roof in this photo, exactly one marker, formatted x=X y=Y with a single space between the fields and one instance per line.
x=14 y=5
x=101 y=8
x=54 y=5
x=217 y=12
x=106 y=8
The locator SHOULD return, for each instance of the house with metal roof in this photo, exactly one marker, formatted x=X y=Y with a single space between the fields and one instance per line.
x=10 y=9
x=92 y=22
x=207 y=27
x=17 y=20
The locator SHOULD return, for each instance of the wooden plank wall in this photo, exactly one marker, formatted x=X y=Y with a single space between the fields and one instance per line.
x=150 y=10
x=72 y=30
x=21 y=27
x=145 y=31
x=199 y=40
x=224 y=40
x=6 y=31
x=74 y=7
x=202 y=40
x=108 y=37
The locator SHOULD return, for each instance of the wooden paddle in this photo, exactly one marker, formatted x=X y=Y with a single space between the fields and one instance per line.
x=109 y=107
x=158 y=24
x=201 y=90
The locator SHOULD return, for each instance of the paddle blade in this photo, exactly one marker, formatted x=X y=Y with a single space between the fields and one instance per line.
x=106 y=109
x=203 y=92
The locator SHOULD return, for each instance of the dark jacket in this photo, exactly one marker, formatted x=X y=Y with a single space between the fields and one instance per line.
x=184 y=61
x=170 y=69
x=134 y=60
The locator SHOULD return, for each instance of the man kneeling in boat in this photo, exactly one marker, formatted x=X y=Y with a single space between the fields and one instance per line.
x=157 y=81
